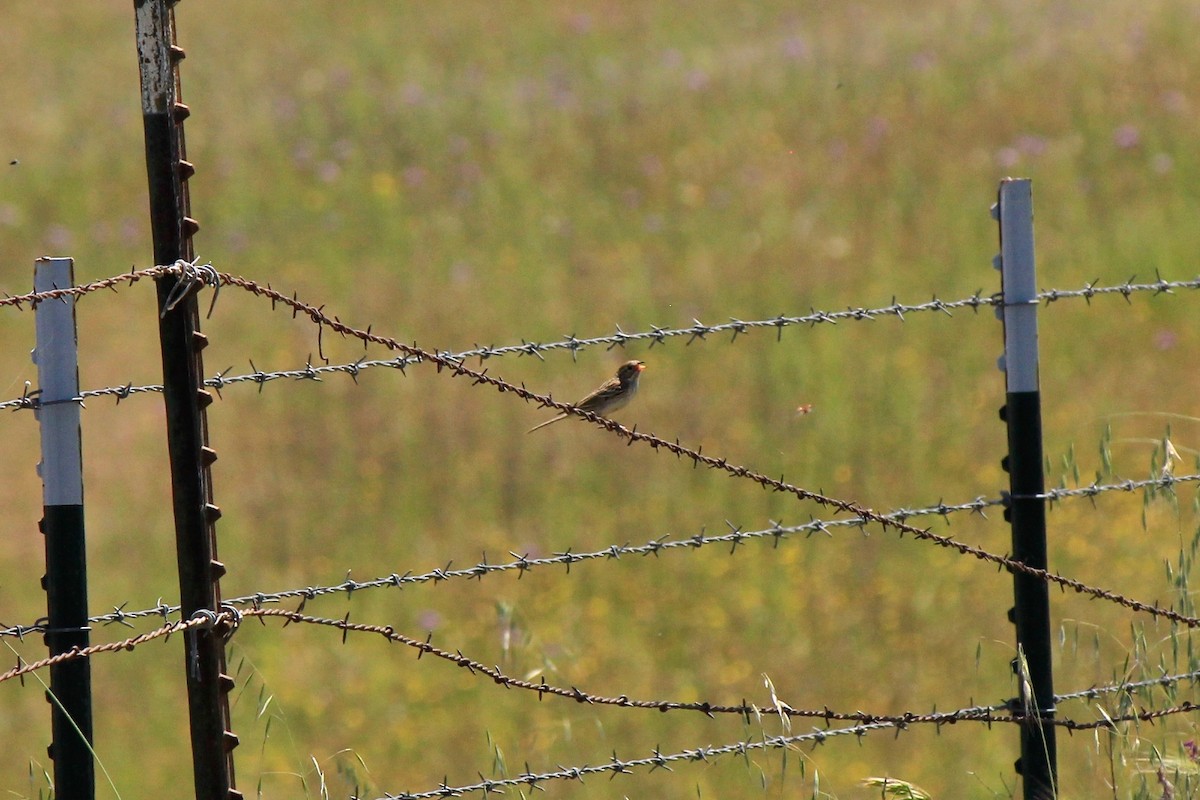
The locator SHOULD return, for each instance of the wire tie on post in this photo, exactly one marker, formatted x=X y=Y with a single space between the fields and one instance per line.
x=193 y=656
x=235 y=620
x=206 y=617
x=73 y=629
x=29 y=399
x=192 y=276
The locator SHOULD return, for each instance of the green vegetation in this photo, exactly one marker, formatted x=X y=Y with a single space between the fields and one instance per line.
x=487 y=172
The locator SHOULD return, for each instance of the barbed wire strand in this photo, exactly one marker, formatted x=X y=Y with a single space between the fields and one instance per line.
x=987 y=714
x=617 y=766
x=205 y=275
x=657 y=334
x=230 y=620
x=206 y=619
x=458 y=369
x=699 y=330
x=735 y=537
x=660 y=760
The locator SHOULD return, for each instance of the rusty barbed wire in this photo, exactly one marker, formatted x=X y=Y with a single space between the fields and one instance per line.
x=204 y=618
x=521 y=564
x=699 y=330
x=659 y=760
x=1007 y=712
x=130 y=278
x=319 y=317
x=458 y=369
x=543 y=688
x=1013 y=713
x=657 y=334
x=864 y=723
x=524 y=563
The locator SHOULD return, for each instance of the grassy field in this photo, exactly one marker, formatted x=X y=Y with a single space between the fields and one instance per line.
x=490 y=172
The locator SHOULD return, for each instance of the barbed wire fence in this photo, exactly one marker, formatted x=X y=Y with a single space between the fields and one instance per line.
x=203 y=274
x=734 y=538
x=206 y=621
x=864 y=722
x=194 y=276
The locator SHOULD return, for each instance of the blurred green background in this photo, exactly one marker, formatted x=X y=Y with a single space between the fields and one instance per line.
x=490 y=172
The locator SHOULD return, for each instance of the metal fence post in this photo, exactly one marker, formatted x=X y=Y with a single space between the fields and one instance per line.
x=61 y=469
x=185 y=398
x=1026 y=507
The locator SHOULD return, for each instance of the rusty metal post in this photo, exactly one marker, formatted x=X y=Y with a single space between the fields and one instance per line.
x=186 y=399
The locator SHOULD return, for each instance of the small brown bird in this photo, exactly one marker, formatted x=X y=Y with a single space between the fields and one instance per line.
x=615 y=394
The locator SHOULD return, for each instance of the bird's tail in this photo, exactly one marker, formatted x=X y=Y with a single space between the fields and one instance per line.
x=547 y=422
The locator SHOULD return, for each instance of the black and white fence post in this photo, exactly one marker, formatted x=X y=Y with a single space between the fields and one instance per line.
x=1026 y=508
x=61 y=469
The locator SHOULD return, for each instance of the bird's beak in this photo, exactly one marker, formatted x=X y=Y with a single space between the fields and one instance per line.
x=641 y=366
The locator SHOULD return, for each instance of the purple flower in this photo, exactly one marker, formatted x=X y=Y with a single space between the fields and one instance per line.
x=1127 y=136
x=1008 y=157
x=796 y=48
